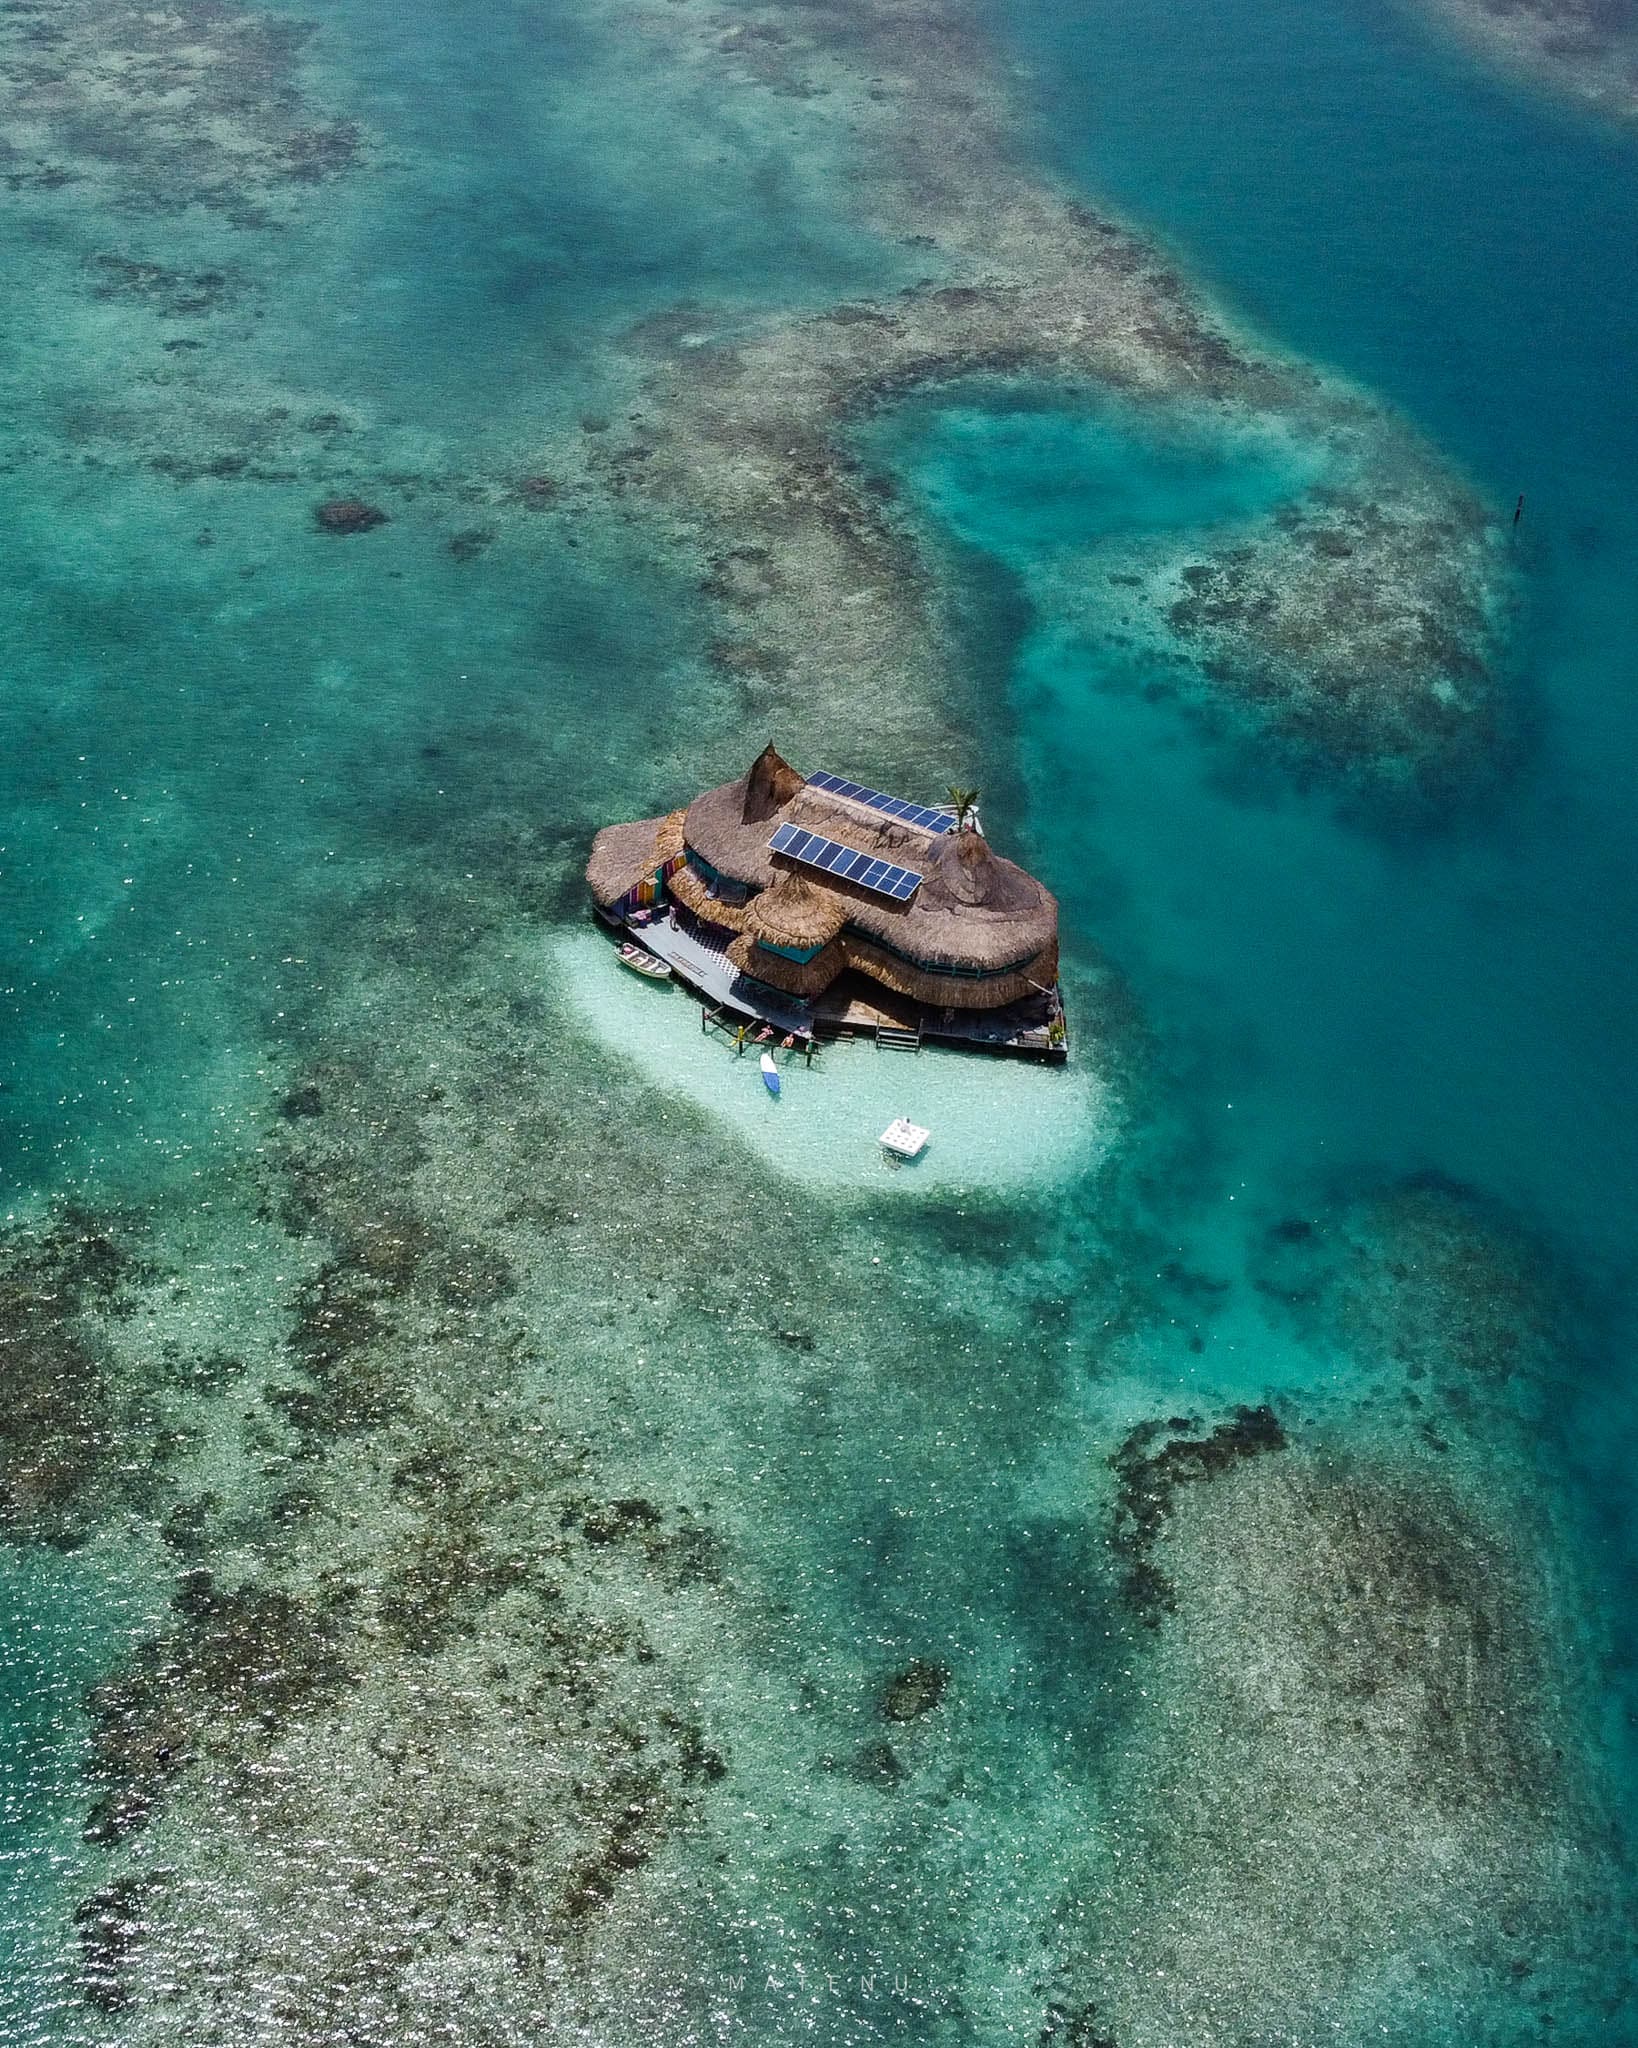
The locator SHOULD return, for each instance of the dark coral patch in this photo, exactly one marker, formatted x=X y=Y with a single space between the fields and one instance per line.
x=1149 y=1476
x=247 y=1656
x=1066 y=2025
x=348 y=515
x=111 y=1924
x=173 y=294
x=916 y=1690
x=63 y=1417
x=634 y=1807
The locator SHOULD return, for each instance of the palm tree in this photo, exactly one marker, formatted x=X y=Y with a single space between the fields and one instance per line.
x=964 y=802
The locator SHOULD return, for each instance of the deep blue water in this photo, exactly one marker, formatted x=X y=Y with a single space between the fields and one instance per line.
x=1464 y=250
x=1371 y=198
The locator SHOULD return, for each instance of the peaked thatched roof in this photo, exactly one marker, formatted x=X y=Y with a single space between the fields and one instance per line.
x=770 y=783
x=730 y=826
x=964 y=873
x=796 y=912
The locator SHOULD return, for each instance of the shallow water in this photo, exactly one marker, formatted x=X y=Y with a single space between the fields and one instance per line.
x=298 y=998
x=994 y=1125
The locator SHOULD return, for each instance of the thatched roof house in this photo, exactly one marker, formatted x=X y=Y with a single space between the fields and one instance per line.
x=812 y=878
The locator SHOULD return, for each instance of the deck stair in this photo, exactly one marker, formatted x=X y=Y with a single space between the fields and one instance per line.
x=892 y=1038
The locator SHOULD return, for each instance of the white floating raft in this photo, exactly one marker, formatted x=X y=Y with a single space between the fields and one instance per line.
x=903 y=1139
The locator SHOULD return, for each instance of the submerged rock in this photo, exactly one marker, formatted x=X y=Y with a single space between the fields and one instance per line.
x=349 y=515
x=878 y=1764
x=915 y=1691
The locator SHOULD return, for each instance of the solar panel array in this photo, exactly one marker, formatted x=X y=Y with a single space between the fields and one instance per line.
x=846 y=863
x=924 y=815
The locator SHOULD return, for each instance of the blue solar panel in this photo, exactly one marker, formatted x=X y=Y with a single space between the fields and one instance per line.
x=927 y=817
x=846 y=863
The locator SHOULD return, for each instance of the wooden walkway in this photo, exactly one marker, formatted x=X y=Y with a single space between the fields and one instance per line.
x=714 y=978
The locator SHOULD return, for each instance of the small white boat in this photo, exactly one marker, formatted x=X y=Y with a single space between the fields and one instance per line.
x=640 y=962
x=770 y=1073
x=904 y=1140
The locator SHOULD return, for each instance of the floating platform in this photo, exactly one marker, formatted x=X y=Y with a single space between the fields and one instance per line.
x=904 y=1139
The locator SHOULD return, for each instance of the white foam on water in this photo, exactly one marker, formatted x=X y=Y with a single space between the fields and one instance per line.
x=995 y=1122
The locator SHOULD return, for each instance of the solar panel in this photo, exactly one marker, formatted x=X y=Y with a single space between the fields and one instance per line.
x=928 y=817
x=846 y=863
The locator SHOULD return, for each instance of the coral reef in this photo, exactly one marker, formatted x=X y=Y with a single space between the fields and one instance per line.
x=1362 y=1788
x=246 y=1658
x=1357 y=631
x=1362 y=629
x=566 y=1593
x=110 y=1925
x=194 y=105
x=77 y=1434
x=1149 y=1477
x=1433 y=1282
x=1586 y=48
x=1362 y=1766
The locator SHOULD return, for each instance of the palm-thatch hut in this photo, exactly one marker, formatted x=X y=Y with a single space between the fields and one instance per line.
x=802 y=880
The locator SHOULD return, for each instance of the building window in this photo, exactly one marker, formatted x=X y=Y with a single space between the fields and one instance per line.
x=721 y=887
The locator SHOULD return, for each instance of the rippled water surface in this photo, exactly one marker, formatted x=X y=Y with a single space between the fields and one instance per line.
x=511 y=1535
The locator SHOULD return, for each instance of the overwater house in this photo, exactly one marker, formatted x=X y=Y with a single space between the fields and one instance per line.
x=822 y=907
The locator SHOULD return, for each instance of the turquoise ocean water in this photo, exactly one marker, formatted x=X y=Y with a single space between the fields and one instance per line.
x=1458 y=244
x=282 y=812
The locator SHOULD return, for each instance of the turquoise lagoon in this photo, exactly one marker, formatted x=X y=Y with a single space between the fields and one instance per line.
x=275 y=803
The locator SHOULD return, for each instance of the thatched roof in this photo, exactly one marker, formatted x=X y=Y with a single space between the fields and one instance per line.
x=973 y=910
x=963 y=873
x=994 y=992
x=796 y=912
x=802 y=978
x=670 y=839
x=692 y=893
x=809 y=978
x=621 y=857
